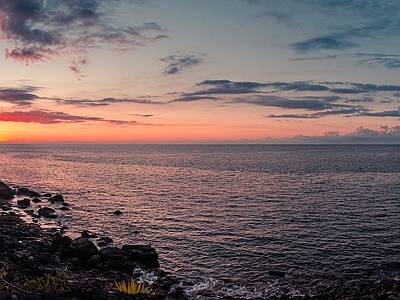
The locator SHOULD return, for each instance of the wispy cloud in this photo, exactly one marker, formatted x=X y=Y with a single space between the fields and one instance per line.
x=48 y=117
x=389 y=61
x=107 y=101
x=179 y=62
x=39 y=31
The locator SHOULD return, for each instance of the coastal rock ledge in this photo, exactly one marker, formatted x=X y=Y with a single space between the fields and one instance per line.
x=27 y=253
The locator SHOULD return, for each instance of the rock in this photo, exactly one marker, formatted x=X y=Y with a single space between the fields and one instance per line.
x=22 y=191
x=47 y=212
x=276 y=273
x=112 y=253
x=143 y=254
x=88 y=234
x=103 y=241
x=64 y=208
x=118 y=212
x=6 y=207
x=24 y=203
x=57 y=198
x=47 y=195
x=94 y=261
x=33 y=194
x=65 y=204
x=6 y=193
x=83 y=248
x=36 y=200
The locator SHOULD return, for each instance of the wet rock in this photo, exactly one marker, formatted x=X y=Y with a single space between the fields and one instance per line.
x=47 y=212
x=83 y=248
x=6 y=193
x=103 y=241
x=87 y=234
x=36 y=200
x=24 y=203
x=143 y=254
x=117 y=212
x=94 y=261
x=33 y=194
x=112 y=253
x=47 y=195
x=6 y=207
x=57 y=198
x=22 y=191
x=64 y=208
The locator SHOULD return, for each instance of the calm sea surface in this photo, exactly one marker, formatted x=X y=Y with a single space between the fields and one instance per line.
x=222 y=217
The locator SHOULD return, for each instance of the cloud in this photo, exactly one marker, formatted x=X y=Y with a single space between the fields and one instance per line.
x=20 y=97
x=177 y=63
x=107 y=101
x=389 y=61
x=38 y=31
x=224 y=86
x=354 y=111
x=46 y=117
x=388 y=113
x=194 y=98
x=361 y=135
x=322 y=43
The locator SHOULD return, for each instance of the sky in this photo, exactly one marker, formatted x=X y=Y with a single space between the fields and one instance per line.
x=209 y=71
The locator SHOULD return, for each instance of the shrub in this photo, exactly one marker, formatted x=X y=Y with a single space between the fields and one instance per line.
x=131 y=287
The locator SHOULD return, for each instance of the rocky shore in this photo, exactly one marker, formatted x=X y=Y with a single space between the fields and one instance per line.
x=40 y=264
x=35 y=264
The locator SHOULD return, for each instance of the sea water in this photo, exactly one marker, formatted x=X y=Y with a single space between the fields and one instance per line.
x=227 y=219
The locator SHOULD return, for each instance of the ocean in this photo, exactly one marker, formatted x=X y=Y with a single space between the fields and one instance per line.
x=231 y=220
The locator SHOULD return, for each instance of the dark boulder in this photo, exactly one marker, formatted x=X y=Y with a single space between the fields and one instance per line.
x=94 y=261
x=6 y=193
x=22 y=191
x=83 y=248
x=112 y=253
x=47 y=212
x=47 y=195
x=36 y=200
x=33 y=194
x=6 y=207
x=142 y=254
x=24 y=203
x=117 y=212
x=57 y=198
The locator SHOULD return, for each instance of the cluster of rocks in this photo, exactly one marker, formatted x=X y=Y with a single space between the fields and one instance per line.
x=28 y=196
x=92 y=263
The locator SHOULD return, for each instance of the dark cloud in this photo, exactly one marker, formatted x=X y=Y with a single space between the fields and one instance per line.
x=331 y=112
x=362 y=100
x=388 y=113
x=107 y=101
x=298 y=86
x=322 y=43
x=274 y=101
x=218 y=87
x=47 y=117
x=194 y=98
x=39 y=30
x=177 y=63
x=20 y=97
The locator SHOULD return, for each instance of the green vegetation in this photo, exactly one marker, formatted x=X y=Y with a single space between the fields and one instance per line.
x=48 y=283
x=131 y=287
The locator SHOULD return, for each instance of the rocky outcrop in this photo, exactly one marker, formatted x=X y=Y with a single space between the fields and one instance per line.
x=6 y=193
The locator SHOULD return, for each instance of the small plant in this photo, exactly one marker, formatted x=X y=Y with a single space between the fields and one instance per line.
x=48 y=283
x=3 y=273
x=131 y=287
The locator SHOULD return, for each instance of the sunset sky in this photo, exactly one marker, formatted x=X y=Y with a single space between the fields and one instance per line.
x=301 y=71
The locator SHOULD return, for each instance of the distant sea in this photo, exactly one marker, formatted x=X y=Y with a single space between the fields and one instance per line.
x=227 y=219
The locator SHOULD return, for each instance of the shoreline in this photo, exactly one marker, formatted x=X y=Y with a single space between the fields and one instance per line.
x=31 y=252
